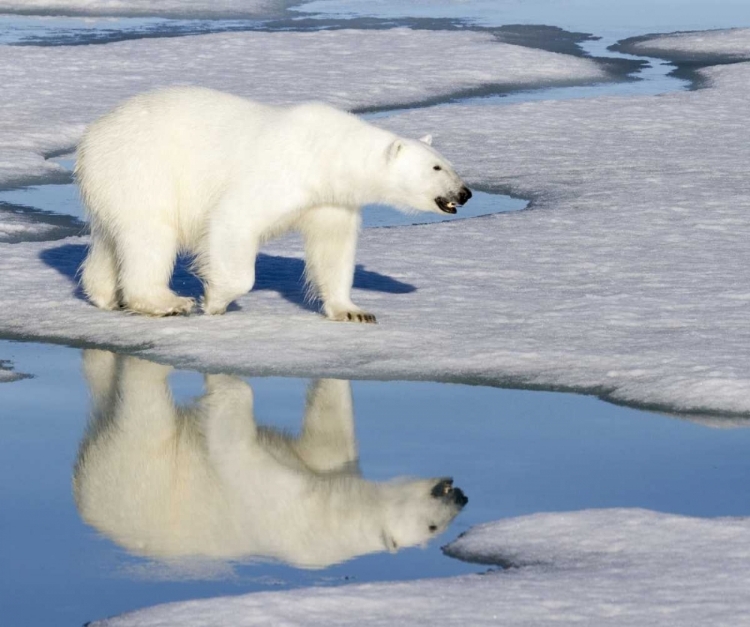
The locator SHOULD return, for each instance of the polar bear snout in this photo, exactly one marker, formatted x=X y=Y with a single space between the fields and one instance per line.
x=464 y=195
x=444 y=490
x=448 y=203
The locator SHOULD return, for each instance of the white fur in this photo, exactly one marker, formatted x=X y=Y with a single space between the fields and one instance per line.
x=199 y=171
x=205 y=480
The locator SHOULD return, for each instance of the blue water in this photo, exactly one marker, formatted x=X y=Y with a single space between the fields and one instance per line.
x=612 y=18
x=513 y=452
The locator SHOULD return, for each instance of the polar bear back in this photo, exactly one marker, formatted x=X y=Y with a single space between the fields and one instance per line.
x=178 y=151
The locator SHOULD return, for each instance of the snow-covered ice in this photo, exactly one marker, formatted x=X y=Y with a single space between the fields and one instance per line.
x=164 y=8
x=716 y=45
x=616 y=567
x=627 y=280
x=50 y=93
x=633 y=282
x=18 y=223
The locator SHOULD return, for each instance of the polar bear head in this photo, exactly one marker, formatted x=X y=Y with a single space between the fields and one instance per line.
x=419 y=178
x=419 y=510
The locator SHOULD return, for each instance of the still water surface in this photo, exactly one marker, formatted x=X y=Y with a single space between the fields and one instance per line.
x=155 y=518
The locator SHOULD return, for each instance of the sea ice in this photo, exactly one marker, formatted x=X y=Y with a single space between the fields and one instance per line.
x=50 y=93
x=627 y=279
x=619 y=567
x=163 y=8
x=18 y=223
x=716 y=45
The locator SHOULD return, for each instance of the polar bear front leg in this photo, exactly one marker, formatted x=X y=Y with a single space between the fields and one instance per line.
x=227 y=266
x=228 y=423
x=328 y=443
x=330 y=234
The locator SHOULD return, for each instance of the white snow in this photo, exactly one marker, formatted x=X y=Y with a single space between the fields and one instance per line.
x=50 y=93
x=164 y=8
x=730 y=44
x=634 y=280
x=614 y=567
x=628 y=279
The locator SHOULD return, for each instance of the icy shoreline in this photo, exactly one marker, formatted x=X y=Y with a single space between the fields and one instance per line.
x=619 y=567
x=701 y=47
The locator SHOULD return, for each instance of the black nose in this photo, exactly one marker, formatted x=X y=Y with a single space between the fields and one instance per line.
x=459 y=497
x=464 y=195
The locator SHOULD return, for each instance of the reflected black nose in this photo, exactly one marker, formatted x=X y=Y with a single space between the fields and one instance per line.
x=464 y=195
x=445 y=490
x=459 y=497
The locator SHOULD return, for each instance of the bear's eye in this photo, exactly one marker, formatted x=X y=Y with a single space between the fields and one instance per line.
x=433 y=528
x=436 y=167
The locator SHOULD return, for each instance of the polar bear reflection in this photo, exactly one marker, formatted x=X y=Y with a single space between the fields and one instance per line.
x=204 y=480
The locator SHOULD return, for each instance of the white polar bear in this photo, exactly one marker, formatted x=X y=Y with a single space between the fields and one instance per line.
x=205 y=481
x=210 y=174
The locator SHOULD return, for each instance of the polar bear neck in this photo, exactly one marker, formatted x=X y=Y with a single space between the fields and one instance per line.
x=344 y=157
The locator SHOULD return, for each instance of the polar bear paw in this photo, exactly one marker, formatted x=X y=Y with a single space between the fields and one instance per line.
x=171 y=305
x=354 y=316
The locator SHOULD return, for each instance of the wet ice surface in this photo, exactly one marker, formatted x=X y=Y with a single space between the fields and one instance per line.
x=513 y=452
x=700 y=47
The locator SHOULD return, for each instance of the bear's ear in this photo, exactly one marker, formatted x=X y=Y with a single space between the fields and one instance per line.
x=427 y=139
x=394 y=149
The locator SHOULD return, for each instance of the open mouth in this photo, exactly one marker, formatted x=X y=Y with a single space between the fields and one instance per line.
x=445 y=205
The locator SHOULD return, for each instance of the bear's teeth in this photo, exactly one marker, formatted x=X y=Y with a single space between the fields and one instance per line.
x=451 y=205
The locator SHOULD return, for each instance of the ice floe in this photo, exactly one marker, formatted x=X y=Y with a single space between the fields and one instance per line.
x=163 y=8
x=616 y=567
x=627 y=280
x=18 y=223
x=630 y=275
x=716 y=45
x=50 y=93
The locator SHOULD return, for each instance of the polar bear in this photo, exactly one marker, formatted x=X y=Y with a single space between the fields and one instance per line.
x=205 y=481
x=213 y=175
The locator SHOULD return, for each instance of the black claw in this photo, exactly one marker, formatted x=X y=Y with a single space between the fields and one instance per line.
x=349 y=316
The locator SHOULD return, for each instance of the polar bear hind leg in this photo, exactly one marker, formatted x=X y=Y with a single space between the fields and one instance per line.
x=147 y=256
x=99 y=276
x=330 y=234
